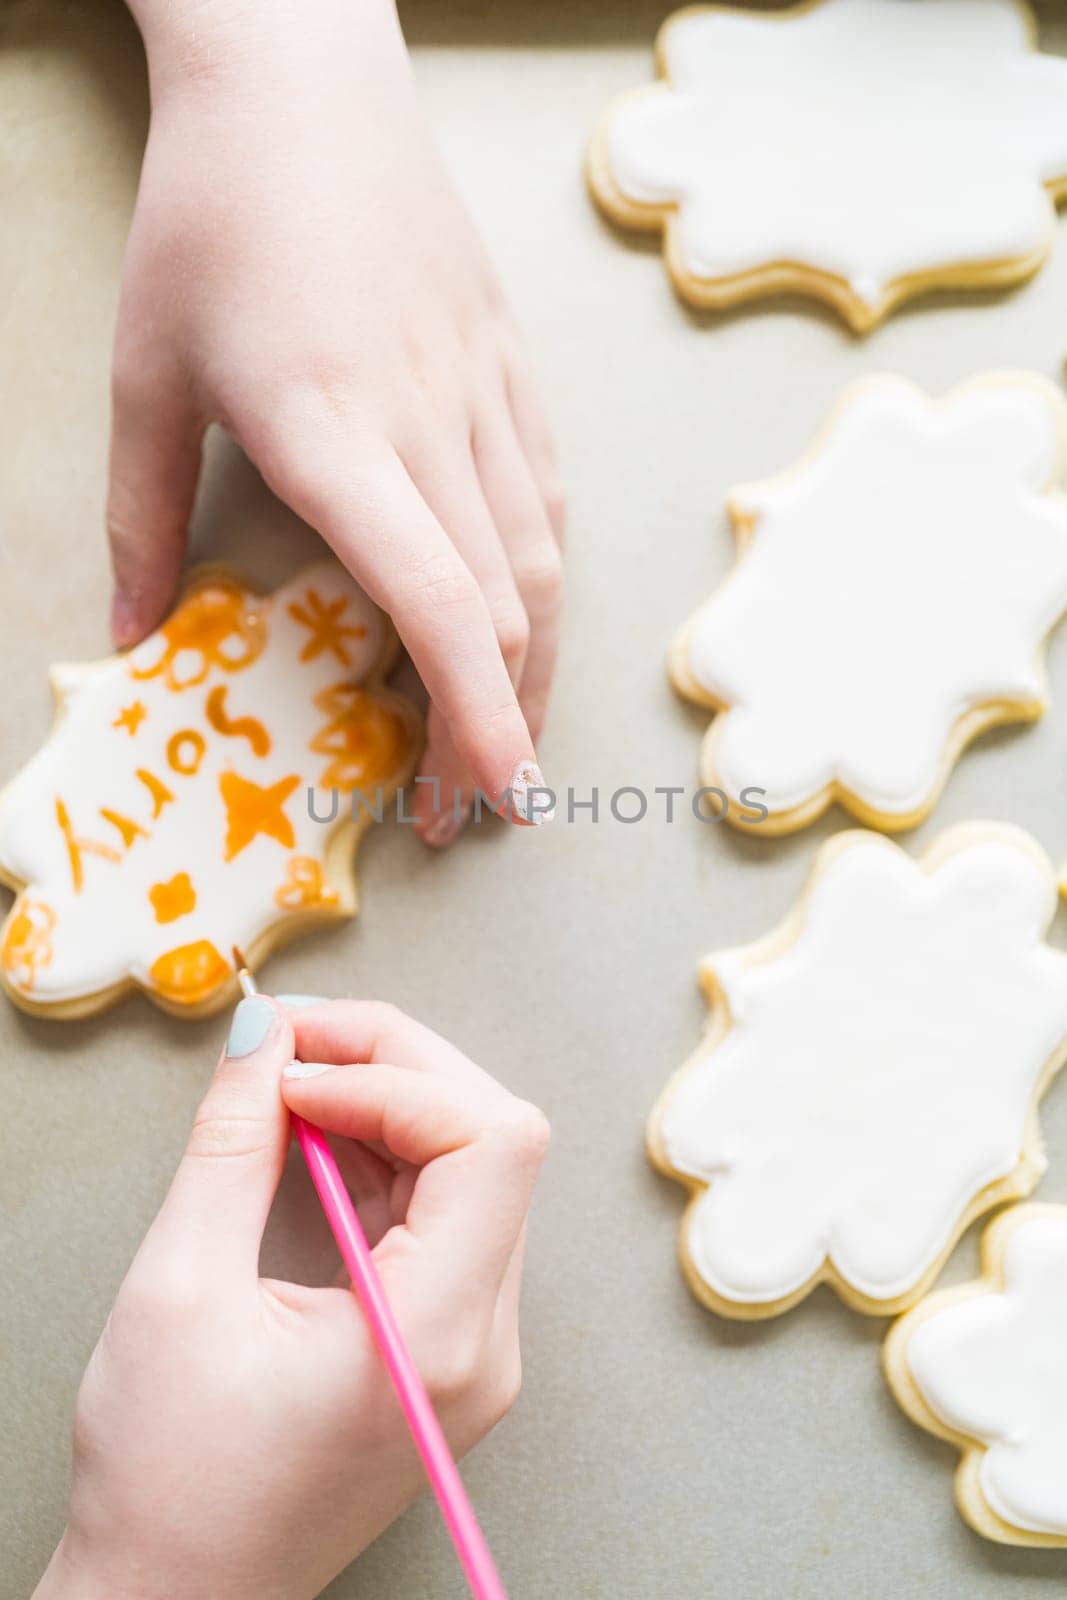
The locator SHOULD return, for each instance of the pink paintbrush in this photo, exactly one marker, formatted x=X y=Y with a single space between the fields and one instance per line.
x=456 y=1509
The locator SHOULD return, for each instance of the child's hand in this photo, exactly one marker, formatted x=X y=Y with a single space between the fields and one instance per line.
x=300 y=270
x=237 y=1436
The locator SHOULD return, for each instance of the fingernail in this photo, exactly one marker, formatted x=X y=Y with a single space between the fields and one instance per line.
x=448 y=826
x=123 y=620
x=250 y=1026
x=532 y=801
x=307 y=1069
x=293 y=1001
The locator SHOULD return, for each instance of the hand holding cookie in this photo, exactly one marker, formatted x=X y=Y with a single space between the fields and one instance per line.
x=301 y=271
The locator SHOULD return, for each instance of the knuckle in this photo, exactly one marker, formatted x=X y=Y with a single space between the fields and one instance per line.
x=292 y=426
x=531 y=1132
x=528 y=1130
x=512 y=628
x=442 y=588
x=149 y=1299
x=225 y=1133
x=556 y=507
x=539 y=576
x=456 y=1373
x=507 y=1387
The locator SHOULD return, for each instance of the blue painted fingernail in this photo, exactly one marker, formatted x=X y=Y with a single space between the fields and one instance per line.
x=250 y=1026
x=295 y=1000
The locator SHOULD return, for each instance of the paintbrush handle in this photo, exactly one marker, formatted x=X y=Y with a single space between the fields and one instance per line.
x=456 y=1509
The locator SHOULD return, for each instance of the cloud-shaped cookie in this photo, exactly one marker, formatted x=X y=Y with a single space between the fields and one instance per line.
x=861 y=151
x=168 y=816
x=869 y=1082
x=890 y=601
x=984 y=1365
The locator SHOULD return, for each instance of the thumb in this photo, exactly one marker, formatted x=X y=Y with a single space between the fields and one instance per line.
x=155 y=463
x=222 y=1193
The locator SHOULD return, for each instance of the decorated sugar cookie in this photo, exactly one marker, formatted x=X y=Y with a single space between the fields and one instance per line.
x=869 y=1082
x=984 y=1365
x=168 y=816
x=891 y=599
x=860 y=151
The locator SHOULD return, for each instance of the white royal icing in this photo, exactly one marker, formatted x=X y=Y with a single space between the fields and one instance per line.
x=120 y=828
x=904 y=574
x=994 y=1367
x=877 y=1072
x=871 y=139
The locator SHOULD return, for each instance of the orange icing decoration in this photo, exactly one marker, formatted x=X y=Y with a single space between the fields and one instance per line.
x=325 y=625
x=252 y=810
x=215 y=625
x=27 y=945
x=161 y=795
x=249 y=728
x=131 y=717
x=304 y=884
x=173 y=899
x=177 y=744
x=190 y=972
x=78 y=847
x=366 y=739
x=128 y=829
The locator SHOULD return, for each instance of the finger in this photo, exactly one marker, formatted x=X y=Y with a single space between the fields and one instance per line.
x=217 y=1207
x=520 y=515
x=386 y=534
x=346 y=1031
x=154 y=466
x=535 y=436
x=445 y=475
x=444 y=792
x=369 y=1181
x=478 y=1153
x=448 y=482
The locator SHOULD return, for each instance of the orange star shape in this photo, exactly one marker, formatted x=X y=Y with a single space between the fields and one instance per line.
x=131 y=717
x=326 y=628
x=252 y=809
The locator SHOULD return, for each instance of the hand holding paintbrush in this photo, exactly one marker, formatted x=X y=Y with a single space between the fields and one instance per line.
x=238 y=1437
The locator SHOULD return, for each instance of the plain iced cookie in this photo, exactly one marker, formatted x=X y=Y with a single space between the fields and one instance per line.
x=860 y=151
x=984 y=1365
x=869 y=1081
x=169 y=816
x=890 y=602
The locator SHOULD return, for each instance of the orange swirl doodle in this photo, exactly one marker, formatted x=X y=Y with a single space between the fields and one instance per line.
x=365 y=739
x=28 y=941
x=216 y=625
x=304 y=884
x=249 y=728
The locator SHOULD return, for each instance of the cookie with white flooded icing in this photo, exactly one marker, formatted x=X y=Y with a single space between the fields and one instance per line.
x=858 y=151
x=168 y=816
x=891 y=599
x=984 y=1366
x=869 y=1081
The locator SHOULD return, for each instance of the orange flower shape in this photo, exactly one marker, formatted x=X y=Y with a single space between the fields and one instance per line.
x=216 y=624
x=173 y=899
x=27 y=945
x=304 y=884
